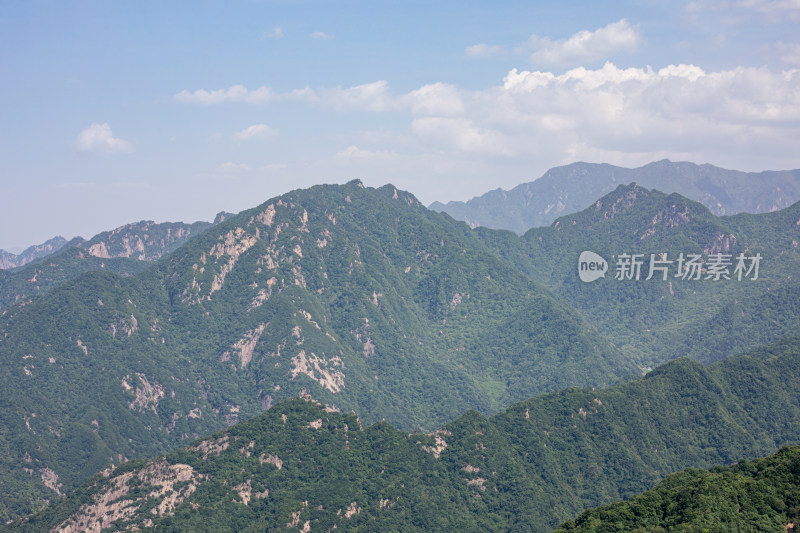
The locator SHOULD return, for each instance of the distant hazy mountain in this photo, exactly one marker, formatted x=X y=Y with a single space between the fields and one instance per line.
x=567 y=189
x=126 y=250
x=304 y=466
x=9 y=260
x=144 y=241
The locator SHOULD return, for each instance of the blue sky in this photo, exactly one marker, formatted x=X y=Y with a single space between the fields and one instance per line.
x=113 y=112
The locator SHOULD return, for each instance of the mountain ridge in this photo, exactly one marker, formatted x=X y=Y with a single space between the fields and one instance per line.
x=758 y=495
x=570 y=188
x=657 y=320
x=370 y=302
x=304 y=465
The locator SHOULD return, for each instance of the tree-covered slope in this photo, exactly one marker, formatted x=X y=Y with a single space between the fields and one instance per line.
x=655 y=320
x=754 y=496
x=370 y=302
x=571 y=188
x=361 y=297
x=304 y=466
x=20 y=284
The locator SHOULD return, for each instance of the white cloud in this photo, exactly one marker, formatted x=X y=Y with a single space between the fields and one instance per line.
x=99 y=139
x=256 y=132
x=679 y=109
x=460 y=135
x=353 y=152
x=234 y=167
x=373 y=96
x=322 y=36
x=483 y=50
x=540 y=117
x=434 y=99
x=367 y=97
x=276 y=33
x=586 y=46
x=235 y=93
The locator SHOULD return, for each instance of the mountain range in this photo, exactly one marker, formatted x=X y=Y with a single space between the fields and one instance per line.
x=571 y=188
x=372 y=304
x=656 y=320
x=362 y=297
x=305 y=466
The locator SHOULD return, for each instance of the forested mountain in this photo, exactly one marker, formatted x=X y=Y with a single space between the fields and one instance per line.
x=656 y=320
x=760 y=495
x=125 y=250
x=21 y=284
x=568 y=189
x=304 y=466
x=361 y=297
x=370 y=302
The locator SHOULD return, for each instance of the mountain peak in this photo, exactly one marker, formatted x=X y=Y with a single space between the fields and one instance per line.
x=622 y=199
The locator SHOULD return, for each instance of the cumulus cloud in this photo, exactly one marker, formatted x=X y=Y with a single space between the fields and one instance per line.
x=322 y=36
x=585 y=46
x=676 y=91
x=98 y=138
x=461 y=135
x=619 y=115
x=434 y=99
x=679 y=109
x=579 y=49
x=260 y=132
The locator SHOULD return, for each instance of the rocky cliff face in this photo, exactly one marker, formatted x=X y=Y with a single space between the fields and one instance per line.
x=144 y=241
